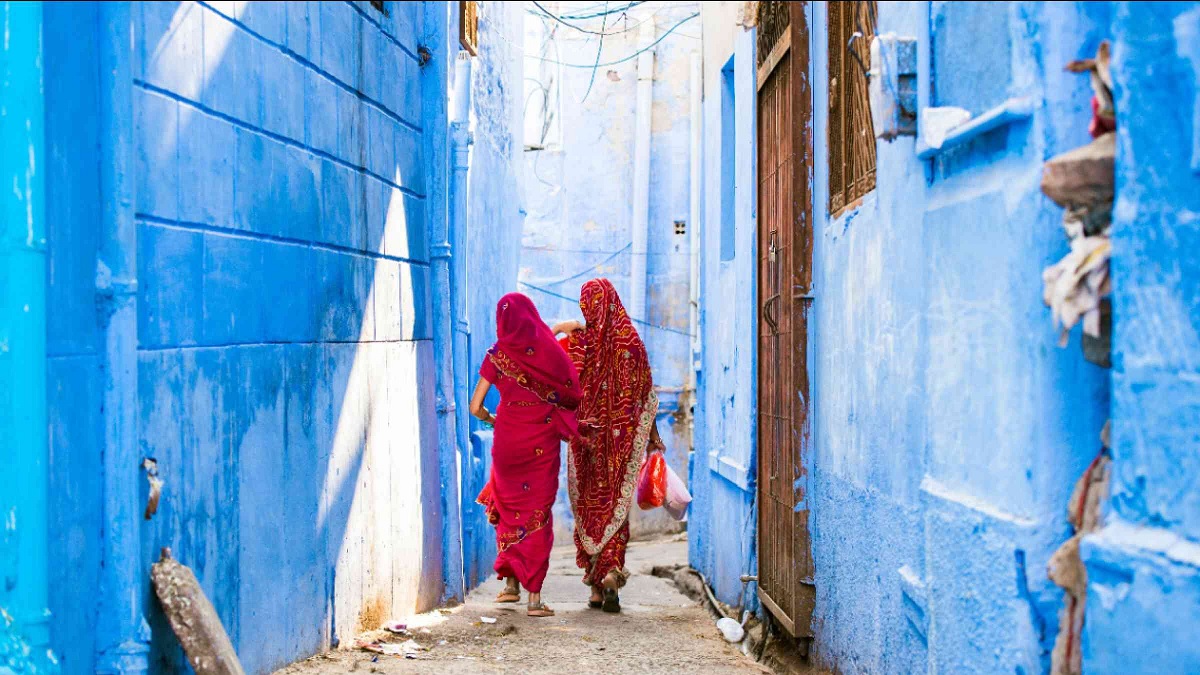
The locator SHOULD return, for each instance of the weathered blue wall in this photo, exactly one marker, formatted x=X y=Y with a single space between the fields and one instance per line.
x=285 y=372
x=948 y=429
x=24 y=563
x=723 y=521
x=1144 y=566
x=579 y=181
x=492 y=229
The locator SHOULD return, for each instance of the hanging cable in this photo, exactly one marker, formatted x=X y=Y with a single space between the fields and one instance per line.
x=630 y=57
x=560 y=296
x=599 y=51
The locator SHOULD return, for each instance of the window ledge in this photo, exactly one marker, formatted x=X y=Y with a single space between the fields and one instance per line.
x=730 y=470
x=1011 y=111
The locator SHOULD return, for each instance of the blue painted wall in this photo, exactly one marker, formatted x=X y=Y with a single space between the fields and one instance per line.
x=284 y=162
x=579 y=182
x=948 y=429
x=492 y=232
x=24 y=561
x=1144 y=566
x=721 y=530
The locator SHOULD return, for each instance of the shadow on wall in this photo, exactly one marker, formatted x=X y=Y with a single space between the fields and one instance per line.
x=285 y=367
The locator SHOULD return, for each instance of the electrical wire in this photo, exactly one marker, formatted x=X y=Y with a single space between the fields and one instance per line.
x=575 y=276
x=560 y=296
x=606 y=12
x=564 y=22
x=630 y=57
x=599 y=51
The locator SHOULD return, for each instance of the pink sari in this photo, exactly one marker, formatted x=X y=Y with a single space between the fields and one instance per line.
x=539 y=391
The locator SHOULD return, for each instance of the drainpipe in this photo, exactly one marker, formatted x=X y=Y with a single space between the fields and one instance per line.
x=697 y=120
x=24 y=541
x=641 y=173
x=460 y=155
x=122 y=636
x=435 y=76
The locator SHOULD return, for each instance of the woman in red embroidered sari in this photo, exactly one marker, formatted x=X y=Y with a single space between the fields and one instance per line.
x=617 y=423
x=539 y=391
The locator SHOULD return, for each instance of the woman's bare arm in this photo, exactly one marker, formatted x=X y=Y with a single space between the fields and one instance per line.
x=656 y=442
x=566 y=327
x=477 y=409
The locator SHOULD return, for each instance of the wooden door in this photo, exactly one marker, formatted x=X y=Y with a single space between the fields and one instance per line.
x=785 y=236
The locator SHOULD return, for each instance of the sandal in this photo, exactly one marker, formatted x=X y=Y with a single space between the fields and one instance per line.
x=509 y=596
x=539 y=610
x=611 y=603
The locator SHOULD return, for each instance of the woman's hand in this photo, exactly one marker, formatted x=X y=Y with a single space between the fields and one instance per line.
x=566 y=327
x=481 y=413
x=656 y=442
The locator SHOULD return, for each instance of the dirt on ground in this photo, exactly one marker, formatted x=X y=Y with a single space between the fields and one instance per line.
x=659 y=630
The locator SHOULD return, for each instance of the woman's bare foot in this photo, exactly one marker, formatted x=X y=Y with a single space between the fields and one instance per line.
x=511 y=592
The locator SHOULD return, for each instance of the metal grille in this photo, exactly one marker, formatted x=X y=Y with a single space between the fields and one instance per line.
x=851 y=134
x=772 y=21
x=468 y=32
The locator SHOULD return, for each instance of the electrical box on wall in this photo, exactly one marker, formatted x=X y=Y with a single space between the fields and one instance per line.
x=893 y=86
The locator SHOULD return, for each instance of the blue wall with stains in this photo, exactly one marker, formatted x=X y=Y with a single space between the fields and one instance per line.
x=492 y=232
x=1144 y=566
x=580 y=195
x=281 y=182
x=24 y=562
x=948 y=428
x=721 y=529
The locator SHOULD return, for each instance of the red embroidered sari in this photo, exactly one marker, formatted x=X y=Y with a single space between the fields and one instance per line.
x=615 y=418
x=539 y=390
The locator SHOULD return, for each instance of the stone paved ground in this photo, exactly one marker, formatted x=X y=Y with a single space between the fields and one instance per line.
x=659 y=631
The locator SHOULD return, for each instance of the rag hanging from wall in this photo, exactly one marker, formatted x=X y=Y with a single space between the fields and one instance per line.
x=1066 y=568
x=1076 y=288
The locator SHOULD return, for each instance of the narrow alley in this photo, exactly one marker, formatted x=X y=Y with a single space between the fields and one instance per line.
x=829 y=336
x=659 y=630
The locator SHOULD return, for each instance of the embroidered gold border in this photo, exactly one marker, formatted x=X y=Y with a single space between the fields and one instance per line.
x=641 y=439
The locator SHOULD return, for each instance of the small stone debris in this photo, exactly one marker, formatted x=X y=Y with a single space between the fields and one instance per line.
x=488 y=619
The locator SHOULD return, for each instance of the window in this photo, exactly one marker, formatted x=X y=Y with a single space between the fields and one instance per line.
x=851 y=135
x=728 y=161
x=468 y=26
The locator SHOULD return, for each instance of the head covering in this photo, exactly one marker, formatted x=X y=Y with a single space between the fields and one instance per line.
x=616 y=417
x=612 y=361
x=525 y=349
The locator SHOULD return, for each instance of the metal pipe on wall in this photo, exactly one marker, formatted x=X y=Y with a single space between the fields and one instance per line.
x=460 y=154
x=122 y=642
x=24 y=535
x=636 y=302
x=696 y=88
x=435 y=75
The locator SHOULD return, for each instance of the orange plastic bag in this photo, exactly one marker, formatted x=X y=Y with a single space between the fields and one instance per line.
x=652 y=481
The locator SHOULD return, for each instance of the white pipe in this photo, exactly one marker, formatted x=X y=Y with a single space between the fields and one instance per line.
x=460 y=155
x=461 y=106
x=641 y=173
x=696 y=85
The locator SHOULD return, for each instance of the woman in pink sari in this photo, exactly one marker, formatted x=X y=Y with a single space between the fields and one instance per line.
x=617 y=421
x=539 y=391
